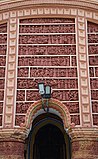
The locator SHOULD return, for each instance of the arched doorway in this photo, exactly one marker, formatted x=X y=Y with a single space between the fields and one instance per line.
x=48 y=139
x=49 y=143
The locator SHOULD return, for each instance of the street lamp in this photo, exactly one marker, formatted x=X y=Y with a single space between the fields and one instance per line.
x=45 y=92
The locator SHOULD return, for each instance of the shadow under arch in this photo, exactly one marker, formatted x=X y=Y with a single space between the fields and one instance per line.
x=55 y=105
x=40 y=122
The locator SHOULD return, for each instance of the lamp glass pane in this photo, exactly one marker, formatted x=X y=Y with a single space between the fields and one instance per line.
x=41 y=88
x=48 y=90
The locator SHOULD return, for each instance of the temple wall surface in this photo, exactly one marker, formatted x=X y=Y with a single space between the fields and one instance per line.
x=55 y=42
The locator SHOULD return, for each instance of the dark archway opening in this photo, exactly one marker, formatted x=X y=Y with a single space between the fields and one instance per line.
x=48 y=139
x=49 y=143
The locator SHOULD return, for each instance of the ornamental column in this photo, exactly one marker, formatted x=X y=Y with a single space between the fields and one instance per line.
x=12 y=144
x=84 y=144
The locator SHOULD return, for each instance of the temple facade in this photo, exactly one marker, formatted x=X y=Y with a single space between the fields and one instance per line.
x=54 y=42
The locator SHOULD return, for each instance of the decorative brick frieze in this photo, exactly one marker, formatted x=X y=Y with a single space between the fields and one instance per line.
x=46 y=61
x=49 y=56
x=92 y=38
x=1 y=107
x=95 y=119
x=47 y=50
x=96 y=71
x=94 y=94
x=70 y=95
x=23 y=72
x=3 y=39
x=47 y=39
x=95 y=106
x=93 y=66
x=19 y=119
x=75 y=119
x=91 y=71
x=47 y=20
x=1 y=95
x=66 y=28
x=0 y=120
x=3 y=49
x=94 y=83
x=53 y=72
x=22 y=107
x=73 y=107
x=93 y=60
x=55 y=83
x=2 y=72
x=2 y=82
x=20 y=95
x=93 y=49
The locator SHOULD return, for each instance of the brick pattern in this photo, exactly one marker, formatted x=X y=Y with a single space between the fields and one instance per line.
x=47 y=53
x=3 y=50
x=11 y=149
x=84 y=149
x=93 y=67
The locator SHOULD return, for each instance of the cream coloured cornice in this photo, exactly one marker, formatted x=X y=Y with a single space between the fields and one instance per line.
x=15 y=4
x=84 y=133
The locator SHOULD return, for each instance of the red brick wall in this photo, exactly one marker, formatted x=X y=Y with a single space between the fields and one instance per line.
x=3 y=49
x=93 y=67
x=47 y=53
x=84 y=149
x=11 y=150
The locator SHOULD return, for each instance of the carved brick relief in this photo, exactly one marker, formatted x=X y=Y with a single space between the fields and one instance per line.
x=47 y=50
x=47 y=53
x=93 y=67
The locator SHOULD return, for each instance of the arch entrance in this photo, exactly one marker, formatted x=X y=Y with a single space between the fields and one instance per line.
x=48 y=139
